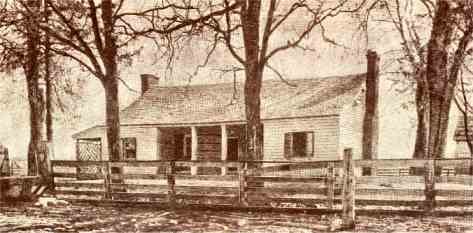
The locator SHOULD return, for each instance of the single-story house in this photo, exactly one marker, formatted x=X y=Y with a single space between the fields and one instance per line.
x=312 y=119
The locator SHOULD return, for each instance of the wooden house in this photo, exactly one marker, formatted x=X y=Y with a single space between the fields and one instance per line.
x=313 y=119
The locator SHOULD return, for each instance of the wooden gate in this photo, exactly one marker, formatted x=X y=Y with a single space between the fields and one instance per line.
x=89 y=150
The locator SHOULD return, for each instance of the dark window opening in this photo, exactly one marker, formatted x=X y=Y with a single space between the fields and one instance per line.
x=129 y=148
x=232 y=149
x=232 y=152
x=182 y=147
x=178 y=149
x=299 y=144
x=187 y=148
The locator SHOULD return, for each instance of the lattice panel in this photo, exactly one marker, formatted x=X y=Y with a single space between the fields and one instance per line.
x=88 y=151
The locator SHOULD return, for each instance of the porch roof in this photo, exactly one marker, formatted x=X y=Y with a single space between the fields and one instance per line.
x=204 y=104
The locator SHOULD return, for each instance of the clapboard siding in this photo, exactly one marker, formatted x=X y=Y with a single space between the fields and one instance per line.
x=461 y=150
x=351 y=128
x=326 y=130
x=209 y=151
x=331 y=135
x=209 y=143
x=146 y=140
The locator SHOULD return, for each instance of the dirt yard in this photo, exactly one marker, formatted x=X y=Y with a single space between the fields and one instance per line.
x=108 y=219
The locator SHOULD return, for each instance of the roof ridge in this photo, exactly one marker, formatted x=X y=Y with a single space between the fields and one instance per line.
x=264 y=81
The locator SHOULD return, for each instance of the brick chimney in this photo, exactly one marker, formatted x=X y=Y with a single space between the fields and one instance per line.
x=147 y=81
x=370 y=119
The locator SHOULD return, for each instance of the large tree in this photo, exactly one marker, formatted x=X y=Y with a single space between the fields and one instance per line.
x=409 y=22
x=450 y=39
x=258 y=31
x=32 y=74
x=20 y=48
x=24 y=47
x=434 y=39
x=98 y=35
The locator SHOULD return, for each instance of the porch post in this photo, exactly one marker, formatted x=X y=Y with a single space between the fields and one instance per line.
x=224 y=143
x=194 y=148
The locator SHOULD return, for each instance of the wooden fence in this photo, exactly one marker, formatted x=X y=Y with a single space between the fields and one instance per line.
x=318 y=184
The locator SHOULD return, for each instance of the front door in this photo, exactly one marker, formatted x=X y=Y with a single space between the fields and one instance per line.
x=182 y=147
x=232 y=148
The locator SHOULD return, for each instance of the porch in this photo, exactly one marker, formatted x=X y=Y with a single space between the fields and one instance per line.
x=202 y=143
x=216 y=142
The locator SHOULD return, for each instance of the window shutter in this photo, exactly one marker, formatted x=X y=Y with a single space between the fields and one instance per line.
x=310 y=144
x=122 y=150
x=287 y=145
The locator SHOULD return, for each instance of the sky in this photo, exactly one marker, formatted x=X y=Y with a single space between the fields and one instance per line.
x=397 y=124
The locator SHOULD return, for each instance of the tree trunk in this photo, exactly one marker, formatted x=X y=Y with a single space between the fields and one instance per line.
x=439 y=87
x=48 y=81
x=254 y=128
x=49 y=111
x=112 y=112
x=422 y=107
x=49 y=150
x=36 y=121
x=35 y=99
x=112 y=119
x=422 y=132
x=440 y=94
x=110 y=83
x=250 y=17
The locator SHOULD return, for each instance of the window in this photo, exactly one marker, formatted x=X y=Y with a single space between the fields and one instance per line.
x=299 y=144
x=129 y=148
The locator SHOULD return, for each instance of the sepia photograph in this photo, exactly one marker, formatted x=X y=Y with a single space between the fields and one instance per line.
x=181 y=116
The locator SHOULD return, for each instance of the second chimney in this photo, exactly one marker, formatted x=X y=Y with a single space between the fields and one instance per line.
x=370 y=119
x=148 y=80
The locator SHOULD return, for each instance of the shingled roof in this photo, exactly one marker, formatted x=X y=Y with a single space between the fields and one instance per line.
x=224 y=102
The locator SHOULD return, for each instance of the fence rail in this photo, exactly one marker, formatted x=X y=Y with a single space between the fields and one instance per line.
x=276 y=183
x=375 y=163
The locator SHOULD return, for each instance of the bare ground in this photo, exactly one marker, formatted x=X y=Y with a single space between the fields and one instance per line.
x=75 y=218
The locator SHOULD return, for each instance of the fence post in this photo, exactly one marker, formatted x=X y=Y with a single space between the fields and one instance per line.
x=243 y=186
x=171 y=184
x=429 y=179
x=330 y=182
x=107 y=180
x=53 y=181
x=348 y=201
